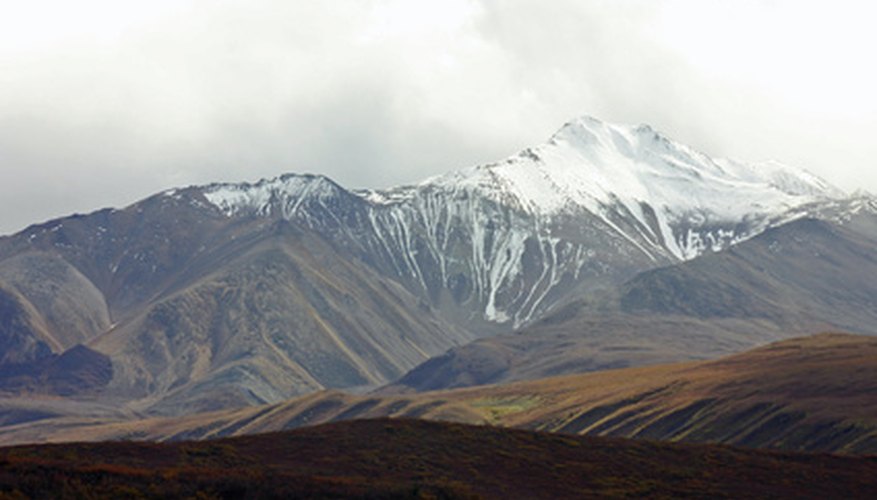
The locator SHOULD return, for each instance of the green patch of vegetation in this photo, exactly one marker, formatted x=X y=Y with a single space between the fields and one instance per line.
x=495 y=408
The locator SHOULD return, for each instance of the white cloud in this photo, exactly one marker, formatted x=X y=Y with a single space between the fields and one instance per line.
x=105 y=102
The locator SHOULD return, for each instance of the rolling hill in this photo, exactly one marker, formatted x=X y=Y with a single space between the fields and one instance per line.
x=814 y=393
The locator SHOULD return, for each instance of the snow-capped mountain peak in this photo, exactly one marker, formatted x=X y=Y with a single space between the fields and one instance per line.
x=594 y=203
x=285 y=192
x=597 y=166
x=589 y=163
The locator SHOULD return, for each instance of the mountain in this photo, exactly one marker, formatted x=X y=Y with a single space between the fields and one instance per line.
x=216 y=296
x=416 y=459
x=816 y=394
x=806 y=276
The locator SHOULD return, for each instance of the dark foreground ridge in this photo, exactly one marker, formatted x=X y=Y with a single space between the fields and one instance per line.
x=419 y=459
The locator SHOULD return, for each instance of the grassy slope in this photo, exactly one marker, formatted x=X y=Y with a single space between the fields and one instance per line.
x=407 y=458
x=815 y=393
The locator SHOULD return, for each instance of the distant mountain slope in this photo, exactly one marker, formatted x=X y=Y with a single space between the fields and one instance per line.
x=415 y=459
x=810 y=394
x=287 y=316
x=806 y=276
x=806 y=272
x=69 y=309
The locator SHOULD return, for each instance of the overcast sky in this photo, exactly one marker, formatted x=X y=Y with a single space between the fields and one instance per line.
x=103 y=102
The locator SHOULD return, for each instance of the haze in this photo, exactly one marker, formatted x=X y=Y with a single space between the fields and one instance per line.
x=105 y=102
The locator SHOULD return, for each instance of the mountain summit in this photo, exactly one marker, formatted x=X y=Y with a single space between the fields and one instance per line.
x=680 y=198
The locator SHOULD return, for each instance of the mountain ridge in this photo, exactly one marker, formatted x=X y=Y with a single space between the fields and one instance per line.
x=654 y=200
x=594 y=164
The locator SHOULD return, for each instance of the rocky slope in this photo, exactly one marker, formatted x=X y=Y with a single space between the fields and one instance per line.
x=803 y=277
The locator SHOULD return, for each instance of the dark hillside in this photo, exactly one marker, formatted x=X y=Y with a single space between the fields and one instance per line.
x=418 y=459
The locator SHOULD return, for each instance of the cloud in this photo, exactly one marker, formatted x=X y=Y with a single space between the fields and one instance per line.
x=101 y=105
x=752 y=80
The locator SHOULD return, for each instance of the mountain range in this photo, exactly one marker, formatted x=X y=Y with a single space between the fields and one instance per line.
x=213 y=297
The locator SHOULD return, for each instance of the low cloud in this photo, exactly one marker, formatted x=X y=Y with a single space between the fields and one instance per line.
x=115 y=105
